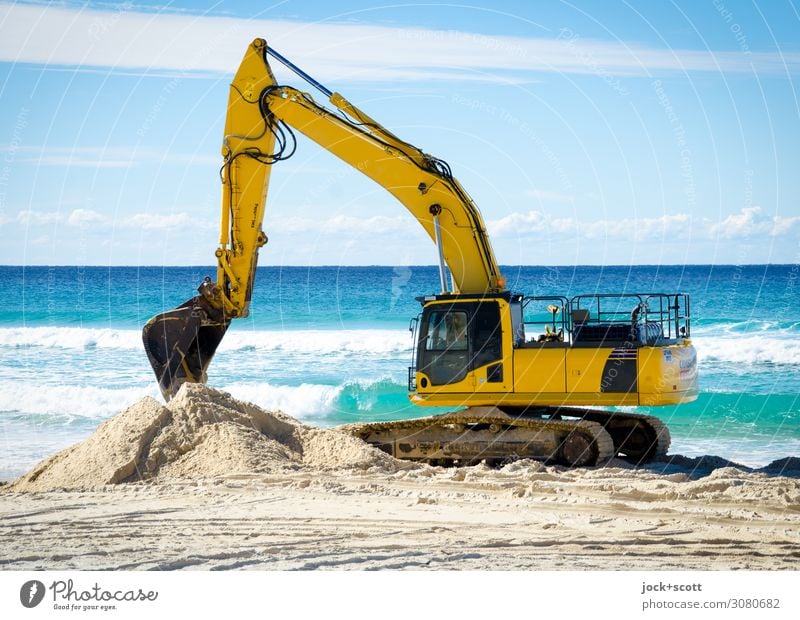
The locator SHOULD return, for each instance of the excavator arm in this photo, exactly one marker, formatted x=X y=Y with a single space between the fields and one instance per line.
x=521 y=395
x=180 y=343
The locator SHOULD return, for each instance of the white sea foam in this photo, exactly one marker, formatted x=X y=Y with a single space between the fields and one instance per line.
x=297 y=341
x=321 y=341
x=305 y=401
x=302 y=401
x=774 y=348
x=70 y=338
x=68 y=400
x=310 y=400
x=748 y=350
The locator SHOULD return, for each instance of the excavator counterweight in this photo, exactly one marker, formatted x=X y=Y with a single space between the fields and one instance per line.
x=524 y=367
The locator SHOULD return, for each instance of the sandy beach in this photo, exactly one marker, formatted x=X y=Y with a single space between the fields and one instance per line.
x=208 y=482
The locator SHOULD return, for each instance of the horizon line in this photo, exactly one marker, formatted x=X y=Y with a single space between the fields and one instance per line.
x=433 y=266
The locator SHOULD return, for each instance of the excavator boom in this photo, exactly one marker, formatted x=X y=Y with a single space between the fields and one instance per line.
x=181 y=342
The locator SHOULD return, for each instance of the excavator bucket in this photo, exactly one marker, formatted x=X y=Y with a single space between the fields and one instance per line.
x=180 y=344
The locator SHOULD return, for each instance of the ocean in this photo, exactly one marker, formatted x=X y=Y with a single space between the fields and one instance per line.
x=331 y=345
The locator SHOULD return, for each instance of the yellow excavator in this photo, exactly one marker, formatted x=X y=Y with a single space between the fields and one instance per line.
x=520 y=371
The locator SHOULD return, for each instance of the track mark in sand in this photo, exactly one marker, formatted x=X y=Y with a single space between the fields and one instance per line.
x=657 y=531
x=142 y=516
x=242 y=564
x=444 y=562
x=25 y=558
x=647 y=530
x=599 y=521
x=6 y=518
x=197 y=560
x=498 y=544
x=342 y=559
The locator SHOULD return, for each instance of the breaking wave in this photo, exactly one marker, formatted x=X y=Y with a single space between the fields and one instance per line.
x=766 y=346
x=298 y=341
x=349 y=401
x=748 y=350
x=67 y=402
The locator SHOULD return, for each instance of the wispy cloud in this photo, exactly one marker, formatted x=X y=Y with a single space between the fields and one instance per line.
x=156 y=221
x=38 y=218
x=344 y=225
x=76 y=217
x=82 y=217
x=753 y=222
x=749 y=223
x=530 y=223
x=103 y=156
x=128 y=40
x=672 y=225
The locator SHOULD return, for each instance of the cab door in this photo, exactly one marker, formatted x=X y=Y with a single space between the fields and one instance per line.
x=490 y=347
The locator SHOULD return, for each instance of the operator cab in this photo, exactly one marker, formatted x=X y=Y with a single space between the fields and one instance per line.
x=626 y=349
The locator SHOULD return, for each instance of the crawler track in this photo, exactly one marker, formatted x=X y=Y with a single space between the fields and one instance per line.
x=489 y=434
x=569 y=436
x=637 y=438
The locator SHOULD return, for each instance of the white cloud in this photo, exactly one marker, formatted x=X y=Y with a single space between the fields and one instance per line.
x=753 y=222
x=377 y=224
x=343 y=224
x=531 y=223
x=518 y=223
x=80 y=217
x=667 y=226
x=38 y=218
x=152 y=221
x=125 y=40
x=77 y=217
x=750 y=222
x=104 y=156
x=541 y=224
x=747 y=222
x=677 y=225
x=784 y=225
x=155 y=221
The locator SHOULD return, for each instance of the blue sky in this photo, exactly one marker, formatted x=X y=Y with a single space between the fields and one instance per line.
x=587 y=132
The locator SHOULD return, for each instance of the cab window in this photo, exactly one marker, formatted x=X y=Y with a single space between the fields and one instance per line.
x=445 y=358
x=447 y=331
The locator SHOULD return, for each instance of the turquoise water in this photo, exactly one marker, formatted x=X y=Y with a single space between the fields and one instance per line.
x=331 y=345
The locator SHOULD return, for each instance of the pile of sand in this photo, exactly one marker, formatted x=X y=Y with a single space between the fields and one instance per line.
x=201 y=433
x=204 y=433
